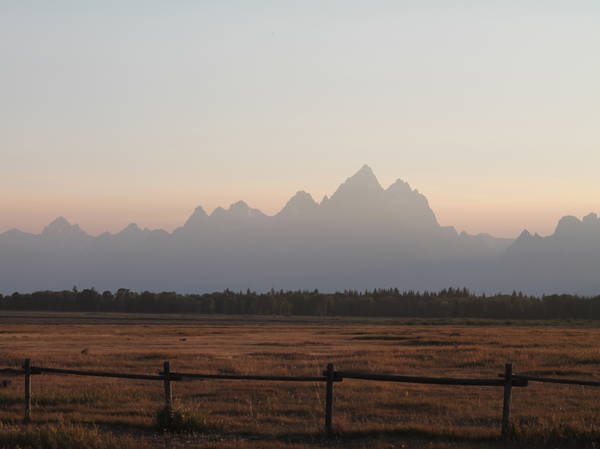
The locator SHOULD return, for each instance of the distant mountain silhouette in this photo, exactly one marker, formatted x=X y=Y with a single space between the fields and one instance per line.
x=566 y=261
x=362 y=236
x=362 y=201
x=62 y=228
x=300 y=206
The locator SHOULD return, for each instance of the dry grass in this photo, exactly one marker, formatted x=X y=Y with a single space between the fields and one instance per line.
x=236 y=414
x=64 y=436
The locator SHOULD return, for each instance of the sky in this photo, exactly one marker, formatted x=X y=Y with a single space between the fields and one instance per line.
x=114 y=112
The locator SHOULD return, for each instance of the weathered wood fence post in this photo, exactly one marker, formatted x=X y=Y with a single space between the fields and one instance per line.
x=167 y=382
x=508 y=380
x=329 y=376
x=27 y=368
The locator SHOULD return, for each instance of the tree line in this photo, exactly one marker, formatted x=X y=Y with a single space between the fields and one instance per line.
x=446 y=303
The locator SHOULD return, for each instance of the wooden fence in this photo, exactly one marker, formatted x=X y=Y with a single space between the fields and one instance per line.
x=330 y=376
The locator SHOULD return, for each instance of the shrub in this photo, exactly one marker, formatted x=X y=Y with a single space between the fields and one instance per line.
x=181 y=420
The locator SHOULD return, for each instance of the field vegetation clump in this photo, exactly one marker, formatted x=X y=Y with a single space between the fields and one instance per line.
x=180 y=419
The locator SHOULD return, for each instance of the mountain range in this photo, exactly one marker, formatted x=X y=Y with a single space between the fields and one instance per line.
x=363 y=236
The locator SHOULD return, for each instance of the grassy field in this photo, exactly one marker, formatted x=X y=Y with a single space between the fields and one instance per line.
x=82 y=412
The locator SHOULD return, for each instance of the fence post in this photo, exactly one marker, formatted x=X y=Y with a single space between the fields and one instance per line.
x=167 y=381
x=27 y=368
x=508 y=380
x=329 y=375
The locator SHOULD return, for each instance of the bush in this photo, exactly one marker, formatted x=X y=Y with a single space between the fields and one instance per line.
x=181 y=420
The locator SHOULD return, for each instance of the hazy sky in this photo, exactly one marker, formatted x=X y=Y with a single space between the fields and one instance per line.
x=121 y=111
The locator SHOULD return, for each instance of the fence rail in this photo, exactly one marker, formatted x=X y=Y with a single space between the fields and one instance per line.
x=42 y=369
x=550 y=380
x=199 y=376
x=11 y=372
x=516 y=382
x=507 y=380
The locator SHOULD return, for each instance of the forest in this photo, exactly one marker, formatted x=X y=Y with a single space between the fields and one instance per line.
x=446 y=303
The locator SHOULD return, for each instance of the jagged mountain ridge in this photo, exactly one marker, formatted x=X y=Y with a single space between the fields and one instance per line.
x=354 y=201
x=359 y=196
x=362 y=236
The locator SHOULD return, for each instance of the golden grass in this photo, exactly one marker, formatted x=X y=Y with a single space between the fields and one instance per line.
x=64 y=436
x=238 y=414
